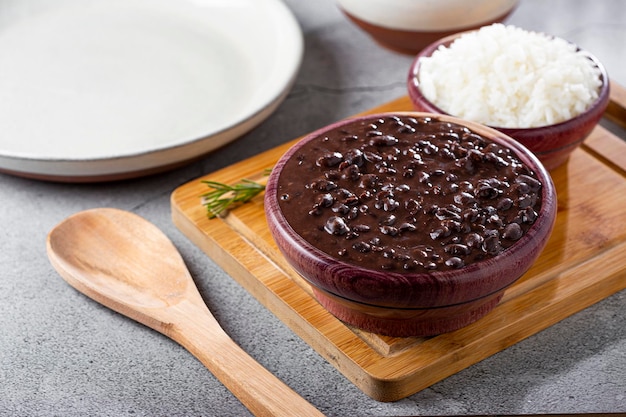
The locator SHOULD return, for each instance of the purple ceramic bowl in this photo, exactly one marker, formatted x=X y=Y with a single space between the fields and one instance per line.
x=403 y=303
x=552 y=144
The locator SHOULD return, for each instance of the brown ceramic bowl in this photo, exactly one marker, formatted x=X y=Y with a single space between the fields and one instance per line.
x=407 y=26
x=552 y=144
x=402 y=302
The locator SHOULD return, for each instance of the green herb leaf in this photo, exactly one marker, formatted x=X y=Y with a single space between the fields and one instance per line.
x=225 y=197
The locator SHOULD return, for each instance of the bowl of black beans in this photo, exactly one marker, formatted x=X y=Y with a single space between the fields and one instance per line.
x=409 y=224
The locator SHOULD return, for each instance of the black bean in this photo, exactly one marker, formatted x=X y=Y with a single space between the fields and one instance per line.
x=351 y=172
x=332 y=175
x=455 y=262
x=323 y=185
x=533 y=183
x=410 y=265
x=407 y=227
x=386 y=140
x=430 y=149
x=527 y=200
x=423 y=177
x=454 y=240
x=451 y=189
x=496 y=160
x=471 y=215
x=475 y=155
x=495 y=220
x=521 y=188
x=491 y=244
x=421 y=251
x=474 y=240
x=341 y=208
x=316 y=210
x=440 y=233
x=505 y=204
x=372 y=157
x=406 y=129
x=396 y=120
x=512 y=231
x=353 y=213
x=336 y=225
x=389 y=230
x=452 y=225
x=374 y=132
x=387 y=170
x=464 y=198
x=388 y=220
x=362 y=247
x=361 y=228
x=466 y=186
x=352 y=200
x=365 y=196
x=487 y=191
x=368 y=181
x=527 y=215
x=416 y=122
x=330 y=159
x=387 y=204
x=466 y=164
x=458 y=150
x=326 y=200
x=457 y=249
x=448 y=212
x=412 y=206
x=447 y=153
x=355 y=157
x=402 y=257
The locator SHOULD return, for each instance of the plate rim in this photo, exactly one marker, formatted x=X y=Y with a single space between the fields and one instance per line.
x=138 y=163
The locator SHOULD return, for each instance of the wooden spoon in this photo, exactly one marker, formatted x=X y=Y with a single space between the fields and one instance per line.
x=127 y=264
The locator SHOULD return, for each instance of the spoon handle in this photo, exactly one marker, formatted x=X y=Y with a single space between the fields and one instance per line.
x=127 y=264
x=257 y=388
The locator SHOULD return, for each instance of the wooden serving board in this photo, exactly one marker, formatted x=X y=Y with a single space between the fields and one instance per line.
x=582 y=264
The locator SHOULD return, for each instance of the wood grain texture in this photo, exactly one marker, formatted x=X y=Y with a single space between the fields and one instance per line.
x=581 y=265
x=127 y=264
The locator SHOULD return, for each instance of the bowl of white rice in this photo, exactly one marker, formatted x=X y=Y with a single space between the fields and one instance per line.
x=543 y=91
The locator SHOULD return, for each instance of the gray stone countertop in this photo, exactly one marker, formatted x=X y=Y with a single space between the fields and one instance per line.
x=62 y=354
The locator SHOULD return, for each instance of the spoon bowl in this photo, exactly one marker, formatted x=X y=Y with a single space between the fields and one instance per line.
x=127 y=264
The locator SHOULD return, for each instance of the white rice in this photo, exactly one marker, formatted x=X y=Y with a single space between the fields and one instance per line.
x=504 y=76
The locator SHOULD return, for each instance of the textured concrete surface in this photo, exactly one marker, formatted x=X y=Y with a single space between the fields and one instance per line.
x=63 y=354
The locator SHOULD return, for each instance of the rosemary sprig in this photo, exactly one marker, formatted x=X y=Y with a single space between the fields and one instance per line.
x=224 y=197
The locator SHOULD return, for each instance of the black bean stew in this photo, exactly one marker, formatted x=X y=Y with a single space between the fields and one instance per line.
x=408 y=194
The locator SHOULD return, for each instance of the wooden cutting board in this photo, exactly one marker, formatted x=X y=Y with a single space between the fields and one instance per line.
x=582 y=264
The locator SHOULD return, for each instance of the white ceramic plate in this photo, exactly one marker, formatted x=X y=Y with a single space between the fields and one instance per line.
x=94 y=90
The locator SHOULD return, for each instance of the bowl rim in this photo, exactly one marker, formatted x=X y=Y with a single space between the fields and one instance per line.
x=466 y=275
x=598 y=104
x=407 y=16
